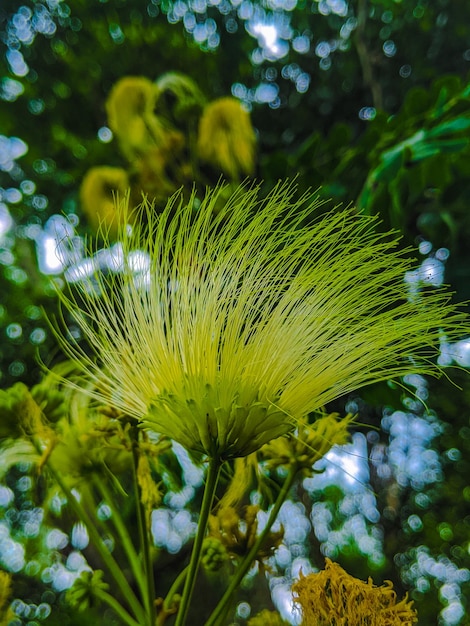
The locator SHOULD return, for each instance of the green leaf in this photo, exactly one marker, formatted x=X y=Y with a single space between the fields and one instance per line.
x=429 y=149
x=390 y=166
x=453 y=126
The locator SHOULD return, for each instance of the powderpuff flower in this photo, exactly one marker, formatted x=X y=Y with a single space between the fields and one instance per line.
x=224 y=329
x=333 y=596
x=97 y=192
x=226 y=138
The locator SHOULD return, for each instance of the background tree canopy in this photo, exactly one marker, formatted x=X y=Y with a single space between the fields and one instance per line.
x=368 y=99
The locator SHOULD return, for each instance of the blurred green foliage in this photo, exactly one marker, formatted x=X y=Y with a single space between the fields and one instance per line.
x=378 y=118
x=368 y=99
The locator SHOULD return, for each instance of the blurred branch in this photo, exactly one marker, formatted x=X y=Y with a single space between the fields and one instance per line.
x=364 y=55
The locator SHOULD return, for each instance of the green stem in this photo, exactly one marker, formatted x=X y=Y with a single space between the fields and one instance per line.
x=167 y=608
x=124 y=537
x=179 y=580
x=206 y=507
x=250 y=557
x=144 y=531
x=117 y=608
x=97 y=541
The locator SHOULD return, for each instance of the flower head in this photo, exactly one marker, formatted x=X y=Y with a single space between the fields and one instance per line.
x=130 y=109
x=97 y=192
x=223 y=330
x=309 y=443
x=335 y=598
x=178 y=98
x=226 y=138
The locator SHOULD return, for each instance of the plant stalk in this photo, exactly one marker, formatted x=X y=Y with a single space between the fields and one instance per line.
x=112 y=566
x=206 y=507
x=247 y=562
x=124 y=537
x=116 y=606
x=144 y=535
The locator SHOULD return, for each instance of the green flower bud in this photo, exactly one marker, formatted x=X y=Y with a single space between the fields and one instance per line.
x=83 y=593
